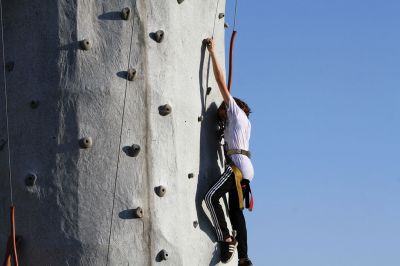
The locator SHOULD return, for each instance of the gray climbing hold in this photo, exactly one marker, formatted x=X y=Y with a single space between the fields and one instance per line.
x=85 y=44
x=30 y=180
x=138 y=212
x=34 y=104
x=125 y=13
x=164 y=109
x=200 y=118
x=226 y=25
x=159 y=36
x=131 y=73
x=164 y=254
x=3 y=143
x=134 y=150
x=86 y=142
x=10 y=66
x=221 y=15
x=180 y=1
x=195 y=224
x=208 y=91
x=161 y=190
x=191 y=175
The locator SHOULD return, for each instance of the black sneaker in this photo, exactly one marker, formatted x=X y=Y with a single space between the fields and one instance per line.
x=227 y=250
x=246 y=262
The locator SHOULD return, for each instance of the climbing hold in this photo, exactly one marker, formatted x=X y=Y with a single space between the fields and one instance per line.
x=164 y=109
x=86 y=142
x=226 y=25
x=134 y=150
x=191 y=175
x=221 y=15
x=30 y=180
x=159 y=36
x=131 y=73
x=208 y=90
x=34 y=104
x=2 y=143
x=161 y=190
x=138 y=212
x=195 y=224
x=10 y=66
x=180 y=1
x=125 y=13
x=163 y=254
x=86 y=44
x=200 y=118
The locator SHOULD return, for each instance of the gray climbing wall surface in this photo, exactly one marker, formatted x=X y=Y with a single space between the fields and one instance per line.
x=105 y=107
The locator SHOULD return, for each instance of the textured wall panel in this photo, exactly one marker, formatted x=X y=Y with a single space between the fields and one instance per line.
x=80 y=211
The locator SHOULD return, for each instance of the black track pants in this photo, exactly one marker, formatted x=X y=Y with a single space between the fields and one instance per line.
x=226 y=183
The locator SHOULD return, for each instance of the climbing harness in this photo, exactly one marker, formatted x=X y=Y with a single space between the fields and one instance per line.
x=242 y=185
x=232 y=45
x=12 y=246
x=238 y=151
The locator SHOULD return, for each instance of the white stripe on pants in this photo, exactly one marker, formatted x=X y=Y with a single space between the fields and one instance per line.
x=208 y=198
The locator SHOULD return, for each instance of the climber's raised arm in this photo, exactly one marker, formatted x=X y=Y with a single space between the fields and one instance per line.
x=219 y=75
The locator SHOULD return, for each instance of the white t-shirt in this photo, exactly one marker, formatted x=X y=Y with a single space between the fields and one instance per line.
x=237 y=136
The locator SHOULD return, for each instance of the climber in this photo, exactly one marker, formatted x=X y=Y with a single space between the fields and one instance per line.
x=234 y=113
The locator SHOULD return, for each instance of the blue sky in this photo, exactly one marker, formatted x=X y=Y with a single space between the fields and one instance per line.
x=323 y=80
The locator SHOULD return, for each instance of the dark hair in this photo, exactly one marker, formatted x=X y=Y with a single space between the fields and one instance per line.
x=242 y=105
x=246 y=109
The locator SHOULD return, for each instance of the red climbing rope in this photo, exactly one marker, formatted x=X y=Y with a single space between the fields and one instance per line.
x=233 y=37
x=232 y=46
x=11 y=251
x=13 y=236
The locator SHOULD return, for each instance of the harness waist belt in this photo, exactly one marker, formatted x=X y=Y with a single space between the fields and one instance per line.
x=238 y=151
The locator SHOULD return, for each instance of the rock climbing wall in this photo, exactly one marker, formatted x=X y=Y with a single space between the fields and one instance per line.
x=112 y=131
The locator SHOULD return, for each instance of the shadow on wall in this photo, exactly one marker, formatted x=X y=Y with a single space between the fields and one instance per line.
x=210 y=156
x=43 y=138
x=113 y=15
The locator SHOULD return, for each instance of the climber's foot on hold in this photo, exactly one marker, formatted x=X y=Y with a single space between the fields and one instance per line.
x=228 y=249
x=245 y=262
